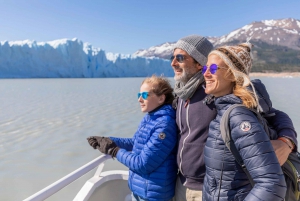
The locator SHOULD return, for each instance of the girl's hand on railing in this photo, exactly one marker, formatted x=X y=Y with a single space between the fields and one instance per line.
x=104 y=145
x=107 y=146
x=94 y=141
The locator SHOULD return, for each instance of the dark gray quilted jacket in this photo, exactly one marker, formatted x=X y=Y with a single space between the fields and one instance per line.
x=224 y=177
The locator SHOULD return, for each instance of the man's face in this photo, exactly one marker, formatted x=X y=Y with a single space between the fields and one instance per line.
x=186 y=69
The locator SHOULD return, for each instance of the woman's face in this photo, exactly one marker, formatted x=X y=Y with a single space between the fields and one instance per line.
x=217 y=84
x=152 y=101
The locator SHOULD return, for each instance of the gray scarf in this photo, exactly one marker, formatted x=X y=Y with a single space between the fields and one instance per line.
x=186 y=91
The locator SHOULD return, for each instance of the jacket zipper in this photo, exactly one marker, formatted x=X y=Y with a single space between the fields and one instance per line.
x=188 y=125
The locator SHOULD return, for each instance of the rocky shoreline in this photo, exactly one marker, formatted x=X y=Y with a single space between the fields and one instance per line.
x=283 y=74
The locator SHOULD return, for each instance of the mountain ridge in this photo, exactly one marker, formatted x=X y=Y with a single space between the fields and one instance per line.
x=274 y=41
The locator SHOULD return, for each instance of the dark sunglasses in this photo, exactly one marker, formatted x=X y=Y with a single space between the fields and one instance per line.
x=143 y=94
x=212 y=69
x=179 y=58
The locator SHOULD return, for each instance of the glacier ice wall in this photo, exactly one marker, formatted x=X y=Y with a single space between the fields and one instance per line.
x=71 y=58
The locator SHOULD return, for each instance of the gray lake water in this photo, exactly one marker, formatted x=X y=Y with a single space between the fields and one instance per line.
x=44 y=124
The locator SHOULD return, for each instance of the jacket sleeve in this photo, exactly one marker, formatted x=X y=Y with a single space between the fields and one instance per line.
x=282 y=123
x=258 y=155
x=124 y=143
x=154 y=152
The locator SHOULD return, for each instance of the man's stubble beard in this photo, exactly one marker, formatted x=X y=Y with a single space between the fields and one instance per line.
x=187 y=74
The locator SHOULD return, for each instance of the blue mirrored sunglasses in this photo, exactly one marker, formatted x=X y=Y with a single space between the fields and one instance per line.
x=212 y=69
x=143 y=94
x=179 y=58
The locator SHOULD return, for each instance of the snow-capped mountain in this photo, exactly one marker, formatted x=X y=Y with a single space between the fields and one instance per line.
x=161 y=51
x=283 y=32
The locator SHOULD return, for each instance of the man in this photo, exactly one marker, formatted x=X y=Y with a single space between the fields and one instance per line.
x=194 y=113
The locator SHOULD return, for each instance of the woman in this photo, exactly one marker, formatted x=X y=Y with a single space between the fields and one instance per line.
x=226 y=79
x=150 y=153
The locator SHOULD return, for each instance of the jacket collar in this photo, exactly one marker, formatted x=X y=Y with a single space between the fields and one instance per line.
x=223 y=101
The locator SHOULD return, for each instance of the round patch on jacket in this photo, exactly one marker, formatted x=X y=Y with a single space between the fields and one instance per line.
x=162 y=136
x=245 y=126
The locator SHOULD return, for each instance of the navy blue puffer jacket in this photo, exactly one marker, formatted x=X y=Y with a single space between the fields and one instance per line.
x=256 y=150
x=150 y=155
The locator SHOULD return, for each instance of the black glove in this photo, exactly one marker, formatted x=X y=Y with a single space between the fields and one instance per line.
x=107 y=146
x=95 y=141
x=104 y=145
x=113 y=152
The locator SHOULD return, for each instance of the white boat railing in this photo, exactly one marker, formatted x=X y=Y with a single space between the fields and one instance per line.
x=63 y=182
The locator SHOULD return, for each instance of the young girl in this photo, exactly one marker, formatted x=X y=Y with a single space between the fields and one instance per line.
x=150 y=153
x=226 y=78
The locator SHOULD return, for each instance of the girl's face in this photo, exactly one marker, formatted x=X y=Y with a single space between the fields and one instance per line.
x=151 y=101
x=217 y=84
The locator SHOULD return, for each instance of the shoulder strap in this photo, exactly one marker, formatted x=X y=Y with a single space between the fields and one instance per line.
x=226 y=136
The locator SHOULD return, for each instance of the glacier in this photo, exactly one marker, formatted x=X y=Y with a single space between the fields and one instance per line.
x=71 y=58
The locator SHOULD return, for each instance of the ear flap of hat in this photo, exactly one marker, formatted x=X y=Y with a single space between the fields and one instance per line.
x=246 y=79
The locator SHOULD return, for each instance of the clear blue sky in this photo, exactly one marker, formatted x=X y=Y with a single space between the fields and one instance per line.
x=124 y=26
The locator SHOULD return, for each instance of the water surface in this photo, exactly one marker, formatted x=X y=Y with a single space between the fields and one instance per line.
x=44 y=124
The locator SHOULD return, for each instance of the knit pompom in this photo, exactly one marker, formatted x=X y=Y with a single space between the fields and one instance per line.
x=248 y=46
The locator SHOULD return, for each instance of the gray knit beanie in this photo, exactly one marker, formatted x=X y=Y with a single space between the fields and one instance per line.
x=196 y=46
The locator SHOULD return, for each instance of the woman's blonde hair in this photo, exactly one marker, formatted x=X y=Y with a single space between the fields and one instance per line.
x=160 y=86
x=241 y=91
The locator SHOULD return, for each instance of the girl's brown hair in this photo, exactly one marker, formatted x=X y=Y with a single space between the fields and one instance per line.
x=160 y=86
